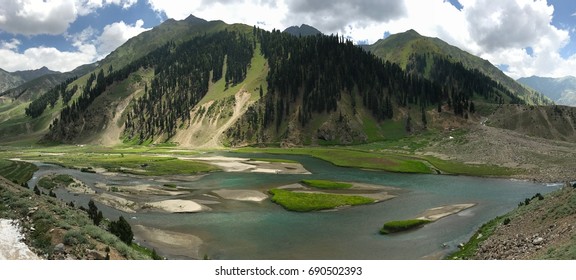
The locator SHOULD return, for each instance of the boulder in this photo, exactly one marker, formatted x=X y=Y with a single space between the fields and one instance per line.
x=538 y=241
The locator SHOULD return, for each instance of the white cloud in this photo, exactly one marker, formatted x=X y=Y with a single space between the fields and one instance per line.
x=176 y=9
x=34 y=58
x=267 y=14
x=33 y=17
x=30 y=17
x=89 y=46
x=10 y=45
x=116 y=34
x=500 y=31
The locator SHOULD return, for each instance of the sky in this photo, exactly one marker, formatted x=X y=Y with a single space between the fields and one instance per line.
x=521 y=37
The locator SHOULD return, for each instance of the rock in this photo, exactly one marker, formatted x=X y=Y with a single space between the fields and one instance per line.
x=59 y=248
x=538 y=241
x=94 y=255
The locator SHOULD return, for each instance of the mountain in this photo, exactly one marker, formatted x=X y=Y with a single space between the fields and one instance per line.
x=29 y=75
x=561 y=90
x=411 y=50
x=9 y=80
x=303 y=30
x=203 y=83
x=37 y=82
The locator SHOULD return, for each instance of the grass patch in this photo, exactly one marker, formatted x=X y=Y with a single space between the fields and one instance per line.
x=51 y=182
x=18 y=172
x=306 y=202
x=354 y=158
x=470 y=248
x=370 y=156
x=325 y=184
x=403 y=225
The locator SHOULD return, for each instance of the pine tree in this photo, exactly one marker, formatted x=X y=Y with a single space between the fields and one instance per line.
x=122 y=229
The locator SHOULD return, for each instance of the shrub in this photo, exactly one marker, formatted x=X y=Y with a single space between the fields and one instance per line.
x=506 y=221
x=73 y=237
x=397 y=226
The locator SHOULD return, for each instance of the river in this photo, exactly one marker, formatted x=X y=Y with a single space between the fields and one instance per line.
x=264 y=230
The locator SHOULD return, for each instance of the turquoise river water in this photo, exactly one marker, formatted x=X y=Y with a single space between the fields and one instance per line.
x=264 y=230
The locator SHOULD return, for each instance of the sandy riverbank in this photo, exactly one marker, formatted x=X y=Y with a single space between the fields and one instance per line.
x=174 y=245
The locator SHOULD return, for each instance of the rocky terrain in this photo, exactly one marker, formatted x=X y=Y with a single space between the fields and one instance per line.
x=543 y=229
x=545 y=160
x=57 y=231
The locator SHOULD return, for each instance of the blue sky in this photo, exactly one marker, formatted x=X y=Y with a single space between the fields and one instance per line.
x=523 y=37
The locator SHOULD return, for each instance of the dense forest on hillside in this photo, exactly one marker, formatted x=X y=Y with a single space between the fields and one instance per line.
x=306 y=76
x=37 y=107
x=182 y=76
x=312 y=74
x=182 y=79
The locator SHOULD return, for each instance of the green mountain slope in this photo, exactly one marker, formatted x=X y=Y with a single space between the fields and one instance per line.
x=403 y=48
x=169 y=31
x=561 y=90
x=42 y=80
x=199 y=83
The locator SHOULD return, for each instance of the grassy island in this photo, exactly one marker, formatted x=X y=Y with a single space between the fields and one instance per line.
x=306 y=202
x=325 y=184
x=404 y=225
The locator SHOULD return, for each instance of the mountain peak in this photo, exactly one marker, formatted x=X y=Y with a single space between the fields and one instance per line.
x=195 y=20
x=412 y=32
x=303 y=30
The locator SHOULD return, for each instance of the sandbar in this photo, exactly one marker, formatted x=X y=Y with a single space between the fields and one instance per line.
x=234 y=164
x=437 y=213
x=117 y=202
x=178 y=206
x=241 y=195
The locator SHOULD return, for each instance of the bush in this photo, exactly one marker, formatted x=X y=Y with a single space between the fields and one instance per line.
x=506 y=221
x=73 y=237
x=397 y=226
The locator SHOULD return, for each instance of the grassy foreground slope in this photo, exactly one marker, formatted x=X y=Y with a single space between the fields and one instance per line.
x=48 y=222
